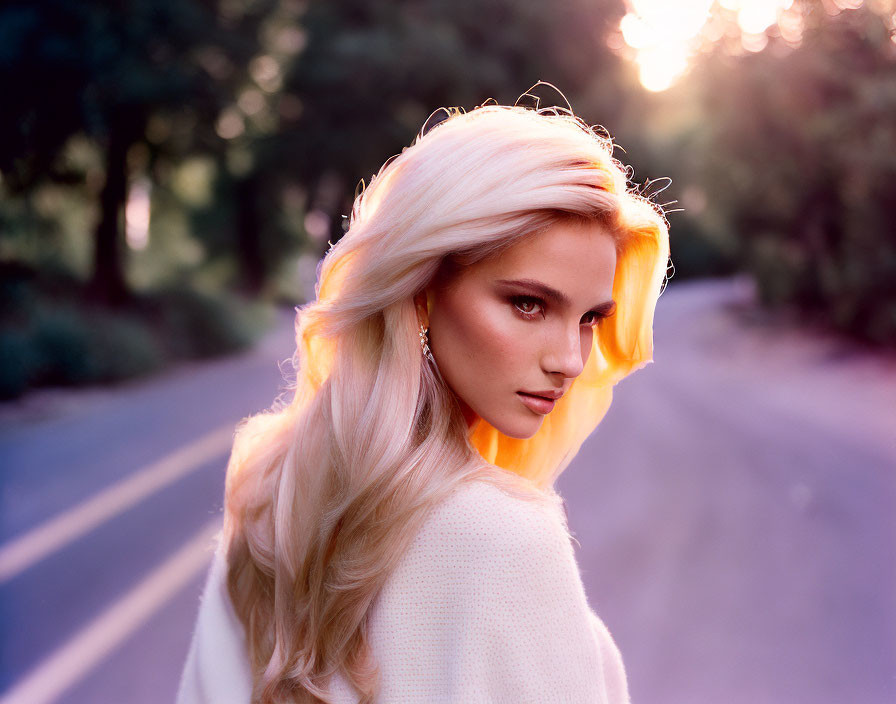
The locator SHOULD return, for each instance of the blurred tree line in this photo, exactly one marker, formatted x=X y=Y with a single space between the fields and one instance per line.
x=798 y=156
x=165 y=162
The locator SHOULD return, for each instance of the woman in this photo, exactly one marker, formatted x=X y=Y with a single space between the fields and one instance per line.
x=393 y=535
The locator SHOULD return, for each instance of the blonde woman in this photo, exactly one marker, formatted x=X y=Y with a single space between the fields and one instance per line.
x=392 y=534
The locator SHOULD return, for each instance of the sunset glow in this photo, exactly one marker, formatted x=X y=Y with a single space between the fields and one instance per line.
x=661 y=36
x=661 y=33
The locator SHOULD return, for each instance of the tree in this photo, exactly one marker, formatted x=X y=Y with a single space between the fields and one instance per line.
x=105 y=69
x=801 y=156
x=371 y=73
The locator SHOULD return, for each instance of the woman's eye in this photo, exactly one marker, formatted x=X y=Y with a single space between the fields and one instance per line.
x=527 y=306
x=530 y=307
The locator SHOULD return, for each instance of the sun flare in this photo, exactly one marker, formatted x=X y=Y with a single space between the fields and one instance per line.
x=662 y=36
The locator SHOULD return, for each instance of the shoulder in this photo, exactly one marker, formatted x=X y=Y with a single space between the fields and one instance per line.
x=487 y=605
x=481 y=519
x=485 y=550
x=217 y=667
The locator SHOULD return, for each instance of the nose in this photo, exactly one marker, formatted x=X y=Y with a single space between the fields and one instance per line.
x=567 y=352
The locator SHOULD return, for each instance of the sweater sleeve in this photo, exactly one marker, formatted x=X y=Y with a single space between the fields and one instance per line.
x=217 y=669
x=611 y=660
x=493 y=610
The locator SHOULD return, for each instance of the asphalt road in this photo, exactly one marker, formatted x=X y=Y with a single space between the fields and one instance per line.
x=735 y=515
x=108 y=486
x=736 y=512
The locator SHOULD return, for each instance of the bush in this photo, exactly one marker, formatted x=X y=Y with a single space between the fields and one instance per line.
x=122 y=347
x=61 y=347
x=196 y=325
x=15 y=363
x=49 y=336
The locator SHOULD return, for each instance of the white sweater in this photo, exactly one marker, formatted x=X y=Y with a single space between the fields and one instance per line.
x=486 y=607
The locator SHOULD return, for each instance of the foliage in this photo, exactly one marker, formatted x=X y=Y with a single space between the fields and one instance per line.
x=800 y=156
x=371 y=73
x=121 y=74
x=48 y=337
x=196 y=325
x=95 y=68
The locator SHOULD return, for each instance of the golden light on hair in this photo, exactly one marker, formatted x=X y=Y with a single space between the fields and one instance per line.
x=372 y=430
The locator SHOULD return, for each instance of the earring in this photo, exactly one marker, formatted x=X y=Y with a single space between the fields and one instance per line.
x=424 y=343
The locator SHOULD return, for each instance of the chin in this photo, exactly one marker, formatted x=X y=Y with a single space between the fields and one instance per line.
x=520 y=430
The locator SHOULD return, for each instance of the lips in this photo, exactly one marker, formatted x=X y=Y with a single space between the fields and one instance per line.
x=538 y=404
x=551 y=394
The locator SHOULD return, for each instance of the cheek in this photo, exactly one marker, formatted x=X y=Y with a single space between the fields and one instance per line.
x=587 y=344
x=483 y=339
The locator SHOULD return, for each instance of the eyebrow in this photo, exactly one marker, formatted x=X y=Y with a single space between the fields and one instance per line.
x=555 y=296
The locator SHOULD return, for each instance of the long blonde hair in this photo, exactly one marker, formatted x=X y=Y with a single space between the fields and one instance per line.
x=324 y=494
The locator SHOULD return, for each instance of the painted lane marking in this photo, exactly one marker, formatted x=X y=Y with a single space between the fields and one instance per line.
x=71 y=662
x=20 y=553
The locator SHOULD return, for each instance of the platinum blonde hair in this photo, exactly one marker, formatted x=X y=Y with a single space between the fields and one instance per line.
x=324 y=494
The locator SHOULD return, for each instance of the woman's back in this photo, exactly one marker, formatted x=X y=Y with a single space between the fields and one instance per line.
x=487 y=605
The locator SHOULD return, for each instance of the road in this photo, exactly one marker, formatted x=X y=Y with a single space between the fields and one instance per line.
x=736 y=512
x=119 y=491
x=735 y=516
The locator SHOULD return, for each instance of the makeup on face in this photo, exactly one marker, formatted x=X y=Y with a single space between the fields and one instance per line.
x=511 y=333
x=534 y=291
x=539 y=404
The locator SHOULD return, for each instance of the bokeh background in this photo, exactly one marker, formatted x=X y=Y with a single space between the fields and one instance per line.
x=171 y=172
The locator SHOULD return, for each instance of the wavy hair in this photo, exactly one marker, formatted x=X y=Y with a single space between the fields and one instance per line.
x=324 y=494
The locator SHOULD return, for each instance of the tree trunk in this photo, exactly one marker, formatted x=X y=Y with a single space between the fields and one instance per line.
x=107 y=285
x=248 y=225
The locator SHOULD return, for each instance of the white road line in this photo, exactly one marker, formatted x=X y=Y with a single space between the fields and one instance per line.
x=90 y=646
x=20 y=553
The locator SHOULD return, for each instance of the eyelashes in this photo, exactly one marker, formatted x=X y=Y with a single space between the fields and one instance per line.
x=522 y=302
x=525 y=300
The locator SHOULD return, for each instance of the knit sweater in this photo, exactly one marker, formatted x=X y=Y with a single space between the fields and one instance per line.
x=487 y=606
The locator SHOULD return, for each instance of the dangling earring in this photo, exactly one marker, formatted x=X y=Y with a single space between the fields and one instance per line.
x=424 y=343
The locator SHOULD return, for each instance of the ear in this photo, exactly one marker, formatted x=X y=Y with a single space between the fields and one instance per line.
x=422 y=308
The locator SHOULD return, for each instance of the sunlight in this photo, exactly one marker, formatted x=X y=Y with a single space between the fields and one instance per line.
x=137 y=211
x=659 y=67
x=758 y=15
x=661 y=33
x=662 y=36
x=677 y=21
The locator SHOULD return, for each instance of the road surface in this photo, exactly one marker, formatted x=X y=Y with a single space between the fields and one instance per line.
x=736 y=512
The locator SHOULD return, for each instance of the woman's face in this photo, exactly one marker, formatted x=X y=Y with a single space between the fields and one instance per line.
x=522 y=321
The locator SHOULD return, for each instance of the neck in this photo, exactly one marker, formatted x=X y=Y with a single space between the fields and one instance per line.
x=470 y=417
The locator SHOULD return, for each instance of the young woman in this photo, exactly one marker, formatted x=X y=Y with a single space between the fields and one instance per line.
x=392 y=534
